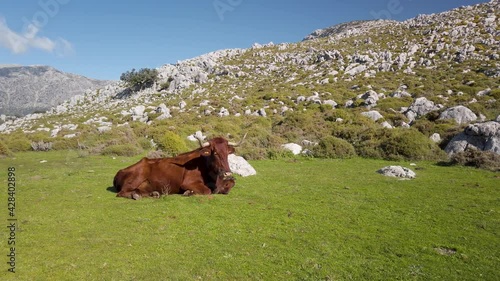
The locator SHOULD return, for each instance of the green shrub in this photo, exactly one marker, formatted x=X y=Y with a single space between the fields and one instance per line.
x=17 y=142
x=144 y=143
x=65 y=144
x=39 y=137
x=276 y=154
x=4 y=150
x=409 y=144
x=332 y=147
x=172 y=144
x=495 y=93
x=255 y=153
x=121 y=150
x=424 y=126
x=141 y=79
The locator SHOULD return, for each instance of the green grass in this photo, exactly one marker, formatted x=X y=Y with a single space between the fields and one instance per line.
x=296 y=220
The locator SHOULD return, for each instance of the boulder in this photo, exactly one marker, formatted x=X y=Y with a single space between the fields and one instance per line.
x=371 y=97
x=435 y=137
x=223 y=112
x=182 y=105
x=162 y=108
x=387 y=125
x=240 y=166
x=138 y=110
x=482 y=136
x=103 y=129
x=197 y=135
x=484 y=92
x=397 y=171
x=420 y=107
x=262 y=112
x=373 y=114
x=293 y=147
x=355 y=69
x=461 y=114
x=332 y=103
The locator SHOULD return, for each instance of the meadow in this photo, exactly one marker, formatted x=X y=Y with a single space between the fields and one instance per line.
x=297 y=219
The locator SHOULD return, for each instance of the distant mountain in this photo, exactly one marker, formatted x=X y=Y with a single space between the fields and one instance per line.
x=29 y=89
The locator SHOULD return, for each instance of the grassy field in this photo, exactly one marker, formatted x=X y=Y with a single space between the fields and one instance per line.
x=296 y=220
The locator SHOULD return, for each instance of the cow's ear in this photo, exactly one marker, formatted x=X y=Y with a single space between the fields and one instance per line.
x=205 y=152
x=230 y=149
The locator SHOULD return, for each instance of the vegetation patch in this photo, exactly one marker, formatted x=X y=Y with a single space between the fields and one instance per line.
x=480 y=159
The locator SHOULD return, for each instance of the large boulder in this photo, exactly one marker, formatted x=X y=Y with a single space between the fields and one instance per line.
x=482 y=136
x=240 y=166
x=420 y=107
x=461 y=114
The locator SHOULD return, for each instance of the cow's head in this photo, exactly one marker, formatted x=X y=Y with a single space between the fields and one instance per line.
x=216 y=152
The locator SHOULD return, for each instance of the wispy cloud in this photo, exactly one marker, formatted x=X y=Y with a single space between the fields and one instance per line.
x=19 y=43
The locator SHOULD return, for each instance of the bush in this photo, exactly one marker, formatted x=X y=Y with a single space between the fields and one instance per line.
x=145 y=143
x=172 y=144
x=121 y=150
x=409 y=144
x=140 y=79
x=477 y=158
x=17 y=142
x=4 y=150
x=276 y=154
x=65 y=144
x=332 y=147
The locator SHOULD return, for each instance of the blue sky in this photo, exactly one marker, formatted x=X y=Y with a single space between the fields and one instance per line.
x=102 y=39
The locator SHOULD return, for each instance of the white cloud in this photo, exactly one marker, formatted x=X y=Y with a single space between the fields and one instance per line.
x=21 y=42
x=64 y=48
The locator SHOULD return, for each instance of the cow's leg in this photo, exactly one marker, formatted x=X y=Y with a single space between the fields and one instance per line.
x=155 y=194
x=196 y=188
x=188 y=193
x=136 y=196
x=135 y=190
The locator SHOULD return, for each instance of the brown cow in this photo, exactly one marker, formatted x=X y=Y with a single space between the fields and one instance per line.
x=202 y=171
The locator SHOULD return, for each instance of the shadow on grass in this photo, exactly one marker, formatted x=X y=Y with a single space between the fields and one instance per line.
x=445 y=164
x=112 y=189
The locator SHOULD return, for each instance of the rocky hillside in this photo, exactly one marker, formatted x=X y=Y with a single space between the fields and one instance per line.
x=28 y=89
x=432 y=74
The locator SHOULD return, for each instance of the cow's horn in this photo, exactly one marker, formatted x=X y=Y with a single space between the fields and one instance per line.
x=239 y=143
x=200 y=140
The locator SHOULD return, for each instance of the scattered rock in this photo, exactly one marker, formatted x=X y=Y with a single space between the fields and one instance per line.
x=240 y=166
x=293 y=147
x=397 y=171
x=420 y=107
x=373 y=114
x=461 y=114
x=435 y=138
x=482 y=136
